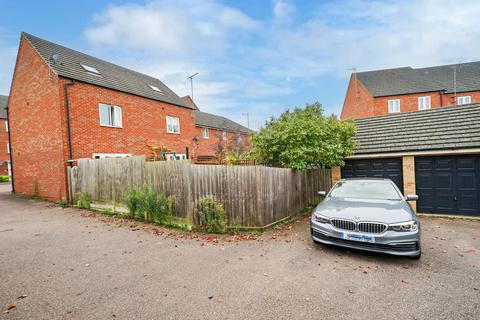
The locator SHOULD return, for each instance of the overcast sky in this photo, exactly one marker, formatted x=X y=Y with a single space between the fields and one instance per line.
x=260 y=57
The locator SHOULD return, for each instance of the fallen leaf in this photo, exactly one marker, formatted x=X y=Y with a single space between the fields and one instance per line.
x=470 y=251
x=11 y=306
x=265 y=274
x=23 y=296
x=211 y=297
x=350 y=291
x=404 y=281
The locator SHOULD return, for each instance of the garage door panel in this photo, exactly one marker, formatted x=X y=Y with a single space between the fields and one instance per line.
x=444 y=181
x=466 y=181
x=448 y=185
x=466 y=164
x=375 y=168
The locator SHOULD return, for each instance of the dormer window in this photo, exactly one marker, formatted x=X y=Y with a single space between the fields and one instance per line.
x=155 y=88
x=90 y=69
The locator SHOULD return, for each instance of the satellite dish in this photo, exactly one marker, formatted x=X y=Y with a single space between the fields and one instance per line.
x=54 y=58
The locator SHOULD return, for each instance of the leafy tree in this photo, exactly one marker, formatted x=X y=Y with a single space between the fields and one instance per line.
x=303 y=138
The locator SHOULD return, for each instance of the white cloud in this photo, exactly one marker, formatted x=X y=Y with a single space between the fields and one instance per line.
x=179 y=27
x=375 y=34
x=246 y=64
x=283 y=10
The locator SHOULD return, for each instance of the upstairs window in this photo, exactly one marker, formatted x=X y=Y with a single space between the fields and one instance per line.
x=173 y=125
x=90 y=69
x=464 y=100
x=155 y=88
x=424 y=103
x=110 y=116
x=206 y=134
x=224 y=135
x=394 y=106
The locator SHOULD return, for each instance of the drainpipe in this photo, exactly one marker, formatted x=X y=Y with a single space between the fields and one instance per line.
x=67 y=105
x=11 y=150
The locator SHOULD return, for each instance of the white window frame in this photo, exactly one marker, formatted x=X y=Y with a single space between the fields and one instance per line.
x=224 y=135
x=171 y=124
x=206 y=133
x=6 y=126
x=8 y=148
x=464 y=99
x=239 y=137
x=155 y=88
x=394 y=106
x=424 y=103
x=91 y=70
x=110 y=155
x=114 y=116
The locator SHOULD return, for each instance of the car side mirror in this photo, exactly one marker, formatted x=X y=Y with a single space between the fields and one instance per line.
x=322 y=193
x=411 y=197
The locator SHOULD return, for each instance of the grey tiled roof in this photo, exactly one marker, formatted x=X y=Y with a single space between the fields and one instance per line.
x=454 y=127
x=406 y=80
x=3 y=106
x=113 y=76
x=203 y=119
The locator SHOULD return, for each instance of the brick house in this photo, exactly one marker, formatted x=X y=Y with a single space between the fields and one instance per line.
x=215 y=132
x=4 y=145
x=66 y=105
x=381 y=92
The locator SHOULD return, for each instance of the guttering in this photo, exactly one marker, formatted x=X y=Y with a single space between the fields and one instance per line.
x=415 y=153
x=69 y=129
x=11 y=150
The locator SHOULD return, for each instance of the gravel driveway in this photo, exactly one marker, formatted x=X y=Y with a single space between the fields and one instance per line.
x=60 y=263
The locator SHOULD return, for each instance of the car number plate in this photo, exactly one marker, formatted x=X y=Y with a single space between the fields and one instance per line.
x=357 y=237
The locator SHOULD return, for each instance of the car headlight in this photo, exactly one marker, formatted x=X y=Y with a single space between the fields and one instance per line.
x=404 y=226
x=320 y=218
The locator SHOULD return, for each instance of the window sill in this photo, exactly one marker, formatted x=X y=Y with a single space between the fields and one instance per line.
x=173 y=132
x=107 y=126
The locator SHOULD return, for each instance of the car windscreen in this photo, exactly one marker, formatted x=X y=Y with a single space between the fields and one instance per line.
x=380 y=190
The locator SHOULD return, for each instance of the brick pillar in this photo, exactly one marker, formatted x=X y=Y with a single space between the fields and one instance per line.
x=409 y=178
x=336 y=174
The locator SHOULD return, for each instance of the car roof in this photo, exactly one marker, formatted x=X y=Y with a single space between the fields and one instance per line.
x=367 y=179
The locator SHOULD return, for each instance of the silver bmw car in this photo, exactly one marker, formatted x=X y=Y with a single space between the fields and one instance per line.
x=367 y=214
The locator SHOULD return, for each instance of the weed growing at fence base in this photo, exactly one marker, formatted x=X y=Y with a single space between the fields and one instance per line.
x=212 y=215
x=83 y=200
x=4 y=178
x=133 y=200
x=149 y=206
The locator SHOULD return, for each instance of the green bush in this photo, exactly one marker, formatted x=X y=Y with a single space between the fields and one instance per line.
x=133 y=199
x=83 y=200
x=149 y=205
x=4 y=178
x=212 y=215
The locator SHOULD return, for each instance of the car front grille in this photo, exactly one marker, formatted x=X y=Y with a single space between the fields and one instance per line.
x=367 y=227
x=405 y=247
x=343 y=224
x=371 y=227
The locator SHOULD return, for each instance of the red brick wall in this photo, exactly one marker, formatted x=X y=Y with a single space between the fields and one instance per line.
x=143 y=122
x=4 y=156
x=363 y=105
x=358 y=101
x=36 y=127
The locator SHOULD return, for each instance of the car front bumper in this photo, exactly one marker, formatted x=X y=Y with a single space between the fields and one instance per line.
x=390 y=242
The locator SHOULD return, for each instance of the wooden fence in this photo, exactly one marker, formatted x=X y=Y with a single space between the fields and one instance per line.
x=251 y=195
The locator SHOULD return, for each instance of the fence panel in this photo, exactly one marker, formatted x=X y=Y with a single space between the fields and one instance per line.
x=251 y=195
